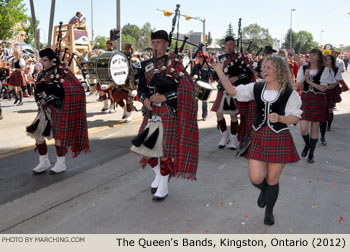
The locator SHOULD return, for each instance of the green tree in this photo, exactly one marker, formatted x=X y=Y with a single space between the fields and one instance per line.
x=260 y=37
x=30 y=32
x=286 y=43
x=128 y=39
x=11 y=12
x=304 y=42
x=132 y=30
x=229 y=31
x=100 y=42
x=145 y=39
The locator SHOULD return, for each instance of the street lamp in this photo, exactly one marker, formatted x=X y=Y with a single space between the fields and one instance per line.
x=290 y=35
x=321 y=38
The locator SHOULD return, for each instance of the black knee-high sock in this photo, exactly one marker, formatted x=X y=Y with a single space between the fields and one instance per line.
x=20 y=96
x=306 y=140
x=312 y=147
x=323 y=127
x=234 y=127
x=330 y=120
x=271 y=195
x=261 y=199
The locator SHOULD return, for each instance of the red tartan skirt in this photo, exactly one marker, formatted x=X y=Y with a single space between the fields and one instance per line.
x=70 y=125
x=271 y=147
x=217 y=102
x=333 y=96
x=247 y=112
x=120 y=94
x=169 y=129
x=17 y=79
x=314 y=107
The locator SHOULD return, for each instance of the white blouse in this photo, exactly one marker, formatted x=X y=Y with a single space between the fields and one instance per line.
x=324 y=80
x=245 y=93
x=335 y=77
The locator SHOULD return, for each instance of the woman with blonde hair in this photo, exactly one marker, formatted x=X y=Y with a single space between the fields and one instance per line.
x=17 y=79
x=271 y=145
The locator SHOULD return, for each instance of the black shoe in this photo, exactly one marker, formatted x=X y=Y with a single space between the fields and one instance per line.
x=221 y=146
x=310 y=160
x=305 y=151
x=323 y=141
x=104 y=109
x=156 y=198
x=153 y=190
x=261 y=199
x=16 y=101
x=328 y=129
x=269 y=219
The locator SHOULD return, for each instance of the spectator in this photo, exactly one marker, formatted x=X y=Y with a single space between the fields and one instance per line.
x=77 y=19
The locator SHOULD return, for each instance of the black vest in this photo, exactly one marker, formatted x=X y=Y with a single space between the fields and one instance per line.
x=263 y=108
x=308 y=88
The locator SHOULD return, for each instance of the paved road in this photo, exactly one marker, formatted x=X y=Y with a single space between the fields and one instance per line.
x=106 y=191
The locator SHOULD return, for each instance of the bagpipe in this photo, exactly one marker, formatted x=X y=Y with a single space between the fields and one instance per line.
x=42 y=124
x=165 y=81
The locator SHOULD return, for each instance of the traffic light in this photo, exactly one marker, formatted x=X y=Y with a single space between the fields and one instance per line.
x=114 y=34
x=167 y=13
x=206 y=38
x=188 y=17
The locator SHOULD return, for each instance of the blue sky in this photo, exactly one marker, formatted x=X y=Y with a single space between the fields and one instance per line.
x=313 y=16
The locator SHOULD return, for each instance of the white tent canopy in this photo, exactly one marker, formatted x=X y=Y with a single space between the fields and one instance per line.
x=213 y=46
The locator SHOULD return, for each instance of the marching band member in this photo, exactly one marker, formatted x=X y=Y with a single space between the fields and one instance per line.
x=332 y=93
x=314 y=79
x=167 y=94
x=203 y=72
x=272 y=146
x=105 y=89
x=60 y=95
x=224 y=103
x=123 y=94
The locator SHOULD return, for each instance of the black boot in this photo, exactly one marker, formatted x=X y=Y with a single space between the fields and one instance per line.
x=307 y=145
x=15 y=95
x=261 y=198
x=330 y=122
x=323 y=126
x=271 y=195
x=310 y=158
x=20 y=98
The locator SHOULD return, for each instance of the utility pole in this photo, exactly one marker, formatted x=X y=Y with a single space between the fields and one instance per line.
x=52 y=15
x=118 y=26
x=36 y=37
x=290 y=36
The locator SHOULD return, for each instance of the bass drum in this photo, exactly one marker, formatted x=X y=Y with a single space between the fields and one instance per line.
x=112 y=68
x=91 y=66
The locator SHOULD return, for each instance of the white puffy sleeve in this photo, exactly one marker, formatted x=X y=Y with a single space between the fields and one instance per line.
x=300 y=74
x=339 y=75
x=245 y=93
x=22 y=62
x=331 y=79
x=324 y=80
x=293 y=105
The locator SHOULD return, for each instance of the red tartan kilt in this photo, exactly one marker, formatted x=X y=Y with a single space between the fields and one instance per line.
x=271 y=147
x=344 y=86
x=333 y=96
x=169 y=129
x=119 y=94
x=314 y=107
x=17 y=79
x=217 y=102
x=247 y=119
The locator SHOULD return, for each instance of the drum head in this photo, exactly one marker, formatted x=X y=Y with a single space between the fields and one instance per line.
x=204 y=85
x=119 y=68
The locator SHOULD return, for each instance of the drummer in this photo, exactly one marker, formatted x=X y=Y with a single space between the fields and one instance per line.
x=103 y=89
x=202 y=72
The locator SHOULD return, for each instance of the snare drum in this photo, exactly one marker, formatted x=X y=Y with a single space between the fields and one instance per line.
x=112 y=68
x=202 y=90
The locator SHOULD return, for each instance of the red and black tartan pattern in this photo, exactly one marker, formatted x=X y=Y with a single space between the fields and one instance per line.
x=180 y=139
x=217 y=102
x=314 y=107
x=344 y=86
x=247 y=115
x=17 y=79
x=333 y=95
x=152 y=162
x=166 y=167
x=42 y=148
x=268 y=146
x=70 y=125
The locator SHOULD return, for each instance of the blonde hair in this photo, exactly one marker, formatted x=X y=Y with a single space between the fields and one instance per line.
x=283 y=73
x=17 y=53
